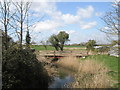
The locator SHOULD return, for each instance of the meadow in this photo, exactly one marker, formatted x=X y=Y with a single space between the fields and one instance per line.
x=49 y=47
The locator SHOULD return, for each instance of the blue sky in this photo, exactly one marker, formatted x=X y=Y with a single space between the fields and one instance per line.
x=80 y=19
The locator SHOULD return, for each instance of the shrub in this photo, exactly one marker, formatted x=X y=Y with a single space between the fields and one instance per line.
x=21 y=69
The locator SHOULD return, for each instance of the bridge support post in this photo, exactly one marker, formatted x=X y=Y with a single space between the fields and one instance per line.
x=54 y=54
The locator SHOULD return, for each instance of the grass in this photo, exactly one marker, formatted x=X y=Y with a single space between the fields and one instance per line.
x=74 y=46
x=41 y=47
x=109 y=61
x=88 y=73
x=70 y=63
x=92 y=74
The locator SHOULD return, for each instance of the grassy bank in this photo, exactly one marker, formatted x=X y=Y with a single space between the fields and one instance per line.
x=88 y=73
x=110 y=62
x=95 y=71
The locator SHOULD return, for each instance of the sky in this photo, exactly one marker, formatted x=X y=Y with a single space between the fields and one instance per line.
x=82 y=20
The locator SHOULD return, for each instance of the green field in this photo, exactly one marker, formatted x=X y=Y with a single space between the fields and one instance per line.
x=71 y=46
x=41 y=47
x=109 y=61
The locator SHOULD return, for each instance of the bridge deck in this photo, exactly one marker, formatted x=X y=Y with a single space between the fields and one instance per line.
x=62 y=54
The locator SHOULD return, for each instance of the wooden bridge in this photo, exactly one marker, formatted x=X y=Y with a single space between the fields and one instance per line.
x=59 y=54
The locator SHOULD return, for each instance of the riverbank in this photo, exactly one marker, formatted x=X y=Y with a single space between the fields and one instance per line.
x=60 y=77
x=87 y=72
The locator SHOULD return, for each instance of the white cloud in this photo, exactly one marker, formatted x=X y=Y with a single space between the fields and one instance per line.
x=43 y=7
x=85 y=12
x=82 y=13
x=70 y=19
x=47 y=25
x=79 y=37
x=58 y=17
x=35 y=15
x=71 y=31
x=88 y=25
x=68 y=31
x=51 y=10
x=98 y=13
x=55 y=15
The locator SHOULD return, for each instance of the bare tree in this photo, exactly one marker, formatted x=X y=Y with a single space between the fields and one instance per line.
x=20 y=17
x=112 y=19
x=5 y=18
x=44 y=43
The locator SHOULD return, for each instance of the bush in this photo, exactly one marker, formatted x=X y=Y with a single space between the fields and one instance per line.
x=21 y=69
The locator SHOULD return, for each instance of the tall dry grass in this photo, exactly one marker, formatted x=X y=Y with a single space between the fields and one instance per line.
x=71 y=63
x=89 y=73
x=92 y=74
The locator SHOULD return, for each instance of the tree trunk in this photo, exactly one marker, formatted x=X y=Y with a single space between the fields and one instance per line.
x=5 y=26
x=56 y=48
x=21 y=27
x=61 y=47
x=6 y=39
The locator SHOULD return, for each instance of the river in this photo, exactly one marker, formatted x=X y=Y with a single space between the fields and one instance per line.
x=62 y=80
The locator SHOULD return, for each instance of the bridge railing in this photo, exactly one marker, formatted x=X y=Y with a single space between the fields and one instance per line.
x=64 y=53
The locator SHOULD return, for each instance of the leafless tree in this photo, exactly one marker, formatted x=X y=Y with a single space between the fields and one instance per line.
x=20 y=18
x=44 y=43
x=5 y=19
x=112 y=19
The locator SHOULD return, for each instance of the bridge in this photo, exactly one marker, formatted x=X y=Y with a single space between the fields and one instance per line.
x=60 y=54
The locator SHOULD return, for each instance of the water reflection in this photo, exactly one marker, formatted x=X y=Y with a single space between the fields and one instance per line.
x=61 y=82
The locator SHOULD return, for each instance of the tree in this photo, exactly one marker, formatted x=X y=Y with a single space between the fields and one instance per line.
x=62 y=37
x=28 y=39
x=5 y=18
x=54 y=42
x=20 y=17
x=111 y=19
x=44 y=43
x=10 y=41
x=33 y=42
x=114 y=42
x=59 y=40
x=90 y=45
